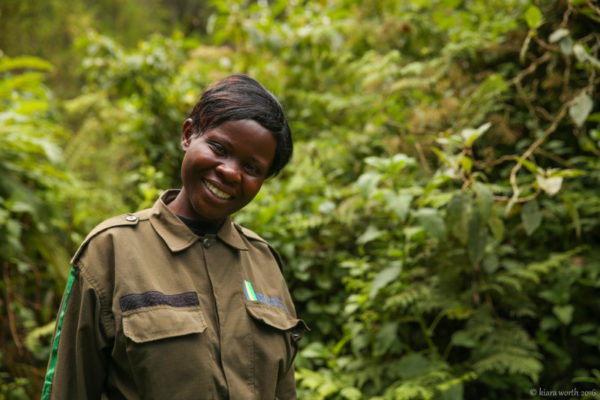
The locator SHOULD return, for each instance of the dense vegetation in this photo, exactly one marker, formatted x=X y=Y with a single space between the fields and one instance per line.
x=439 y=222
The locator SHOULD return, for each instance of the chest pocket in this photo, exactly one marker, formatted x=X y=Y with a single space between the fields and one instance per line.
x=277 y=318
x=272 y=323
x=167 y=349
x=161 y=322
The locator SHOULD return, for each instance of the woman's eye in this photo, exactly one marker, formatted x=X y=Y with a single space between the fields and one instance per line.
x=252 y=169
x=217 y=148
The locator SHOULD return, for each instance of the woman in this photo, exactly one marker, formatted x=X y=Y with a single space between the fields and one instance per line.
x=176 y=301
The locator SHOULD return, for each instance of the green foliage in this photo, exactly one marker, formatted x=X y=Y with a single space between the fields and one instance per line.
x=33 y=226
x=439 y=221
x=49 y=29
x=438 y=261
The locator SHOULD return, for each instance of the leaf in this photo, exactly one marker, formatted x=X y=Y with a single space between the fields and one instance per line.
x=378 y=162
x=315 y=350
x=580 y=52
x=350 y=393
x=53 y=152
x=20 y=206
x=327 y=388
x=469 y=135
x=7 y=64
x=550 y=185
x=477 y=238
x=467 y=164
x=412 y=365
x=385 y=338
x=464 y=339
x=533 y=17
x=573 y=213
x=566 y=46
x=531 y=216
x=433 y=223
x=530 y=166
x=326 y=207
x=399 y=161
x=566 y=173
x=370 y=234
x=497 y=227
x=441 y=156
x=453 y=389
x=548 y=323
x=399 y=203
x=564 y=313
x=582 y=55
x=484 y=200
x=367 y=182
x=384 y=277
x=581 y=108
x=457 y=215
x=558 y=35
x=490 y=263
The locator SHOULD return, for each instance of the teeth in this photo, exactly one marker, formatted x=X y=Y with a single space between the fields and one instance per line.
x=216 y=191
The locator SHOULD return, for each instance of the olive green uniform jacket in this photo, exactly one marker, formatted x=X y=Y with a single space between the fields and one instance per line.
x=153 y=311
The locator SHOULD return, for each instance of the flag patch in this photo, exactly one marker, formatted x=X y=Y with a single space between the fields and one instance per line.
x=250 y=295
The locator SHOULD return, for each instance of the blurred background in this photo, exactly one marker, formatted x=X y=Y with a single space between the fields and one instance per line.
x=440 y=219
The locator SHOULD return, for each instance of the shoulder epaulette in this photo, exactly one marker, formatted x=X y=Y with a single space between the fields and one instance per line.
x=120 y=220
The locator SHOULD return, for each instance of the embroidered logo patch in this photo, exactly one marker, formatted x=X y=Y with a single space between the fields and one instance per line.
x=251 y=295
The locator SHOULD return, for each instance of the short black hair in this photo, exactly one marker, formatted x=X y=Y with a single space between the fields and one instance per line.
x=239 y=97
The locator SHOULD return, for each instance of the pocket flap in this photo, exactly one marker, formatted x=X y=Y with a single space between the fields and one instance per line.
x=163 y=322
x=276 y=318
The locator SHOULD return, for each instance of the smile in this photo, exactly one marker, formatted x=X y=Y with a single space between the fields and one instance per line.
x=216 y=191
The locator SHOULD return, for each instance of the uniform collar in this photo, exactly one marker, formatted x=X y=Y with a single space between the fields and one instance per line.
x=178 y=236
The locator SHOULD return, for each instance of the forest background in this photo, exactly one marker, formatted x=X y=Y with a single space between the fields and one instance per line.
x=440 y=219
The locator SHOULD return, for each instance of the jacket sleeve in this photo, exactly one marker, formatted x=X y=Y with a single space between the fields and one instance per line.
x=80 y=347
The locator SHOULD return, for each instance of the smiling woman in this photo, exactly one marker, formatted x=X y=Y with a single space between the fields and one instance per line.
x=161 y=303
x=223 y=169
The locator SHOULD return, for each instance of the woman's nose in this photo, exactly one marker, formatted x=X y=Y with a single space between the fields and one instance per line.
x=230 y=171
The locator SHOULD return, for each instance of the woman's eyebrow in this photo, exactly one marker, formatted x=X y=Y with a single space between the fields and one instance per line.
x=224 y=141
x=258 y=161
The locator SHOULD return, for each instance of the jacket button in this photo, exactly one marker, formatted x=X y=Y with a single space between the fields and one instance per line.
x=131 y=218
x=206 y=243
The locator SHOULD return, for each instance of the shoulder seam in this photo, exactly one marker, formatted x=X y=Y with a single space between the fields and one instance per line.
x=250 y=234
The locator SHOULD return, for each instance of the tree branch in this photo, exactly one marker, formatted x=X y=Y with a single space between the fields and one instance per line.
x=513 y=173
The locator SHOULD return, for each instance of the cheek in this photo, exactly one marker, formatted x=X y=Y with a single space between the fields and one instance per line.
x=185 y=167
x=252 y=187
x=194 y=160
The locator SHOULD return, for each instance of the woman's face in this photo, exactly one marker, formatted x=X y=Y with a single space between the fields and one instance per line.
x=223 y=169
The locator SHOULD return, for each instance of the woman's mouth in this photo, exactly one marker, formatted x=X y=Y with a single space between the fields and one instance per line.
x=216 y=191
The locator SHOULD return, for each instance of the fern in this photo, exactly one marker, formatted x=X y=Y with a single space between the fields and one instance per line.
x=510 y=362
x=508 y=350
x=555 y=260
x=425 y=378
x=409 y=296
x=510 y=282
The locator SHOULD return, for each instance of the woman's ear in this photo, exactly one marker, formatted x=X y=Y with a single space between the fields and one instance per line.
x=186 y=134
